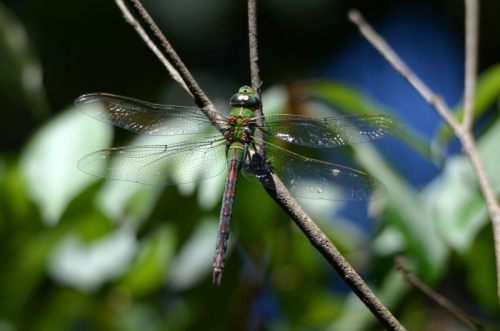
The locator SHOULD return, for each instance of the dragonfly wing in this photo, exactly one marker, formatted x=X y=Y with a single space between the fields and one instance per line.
x=315 y=179
x=141 y=116
x=330 y=131
x=158 y=164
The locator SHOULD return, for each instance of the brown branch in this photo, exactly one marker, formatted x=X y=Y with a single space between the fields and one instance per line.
x=400 y=66
x=145 y=37
x=172 y=61
x=286 y=201
x=254 y=72
x=321 y=242
x=435 y=296
x=471 y=35
x=461 y=131
x=280 y=194
x=253 y=44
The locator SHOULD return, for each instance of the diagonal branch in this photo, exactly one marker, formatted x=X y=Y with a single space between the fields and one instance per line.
x=171 y=60
x=462 y=131
x=282 y=196
x=129 y=18
x=400 y=66
x=320 y=241
x=442 y=301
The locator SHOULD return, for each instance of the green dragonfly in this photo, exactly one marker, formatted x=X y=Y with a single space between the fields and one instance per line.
x=234 y=149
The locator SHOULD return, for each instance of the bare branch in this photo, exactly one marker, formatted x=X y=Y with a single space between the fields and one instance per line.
x=281 y=194
x=463 y=133
x=321 y=242
x=254 y=72
x=471 y=38
x=438 y=298
x=174 y=61
x=252 y=41
x=286 y=201
x=398 y=64
x=142 y=33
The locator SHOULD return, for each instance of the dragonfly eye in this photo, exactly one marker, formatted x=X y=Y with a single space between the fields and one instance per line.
x=246 y=97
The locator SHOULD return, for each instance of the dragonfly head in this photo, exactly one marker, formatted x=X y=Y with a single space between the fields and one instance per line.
x=246 y=97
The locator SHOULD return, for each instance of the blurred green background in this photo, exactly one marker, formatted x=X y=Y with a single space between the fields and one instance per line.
x=79 y=253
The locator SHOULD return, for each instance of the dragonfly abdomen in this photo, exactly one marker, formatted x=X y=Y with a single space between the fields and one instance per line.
x=235 y=156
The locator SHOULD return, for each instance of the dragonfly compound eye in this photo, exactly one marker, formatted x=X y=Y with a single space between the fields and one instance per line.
x=246 y=97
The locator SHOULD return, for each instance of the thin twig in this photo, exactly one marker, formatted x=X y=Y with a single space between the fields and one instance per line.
x=286 y=201
x=321 y=242
x=253 y=44
x=437 y=297
x=173 y=59
x=400 y=66
x=283 y=197
x=254 y=72
x=463 y=133
x=142 y=33
x=471 y=38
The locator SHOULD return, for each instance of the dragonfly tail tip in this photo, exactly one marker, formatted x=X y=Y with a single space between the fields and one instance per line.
x=217 y=276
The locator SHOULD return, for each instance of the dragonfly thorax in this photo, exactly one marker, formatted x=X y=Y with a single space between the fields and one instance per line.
x=240 y=126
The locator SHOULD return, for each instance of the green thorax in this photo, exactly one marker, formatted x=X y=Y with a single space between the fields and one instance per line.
x=243 y=105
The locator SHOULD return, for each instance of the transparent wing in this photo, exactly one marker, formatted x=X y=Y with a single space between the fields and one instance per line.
x=314 y=179
x=158 y=164
x=330 y=131
x=143 y=117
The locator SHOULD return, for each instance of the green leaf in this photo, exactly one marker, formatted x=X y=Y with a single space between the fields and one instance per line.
x=49 y=161
x=487 y=94
x=481 y=272
x=407 y=213
x=459 y=209
x=458 y=204
x=147 y=273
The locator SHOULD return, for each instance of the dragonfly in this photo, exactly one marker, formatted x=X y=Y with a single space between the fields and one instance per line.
x=233 y=149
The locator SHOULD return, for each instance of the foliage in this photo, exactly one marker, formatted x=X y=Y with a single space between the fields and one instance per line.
x=81 y=253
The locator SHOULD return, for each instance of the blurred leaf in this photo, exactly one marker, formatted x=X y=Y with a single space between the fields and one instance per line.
x=26 y=269
x=354 y=102
x=127 y=202
x=86 y=266
x=487 y=145
x=487 y=94
x=454 y=196
x=15 y=202
x=195 y=259
x=480 y=261
x=49 y=161
x=458 y=208
x=21 y=78
x=409 y=215
x=148 y=270
x=406 y=211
